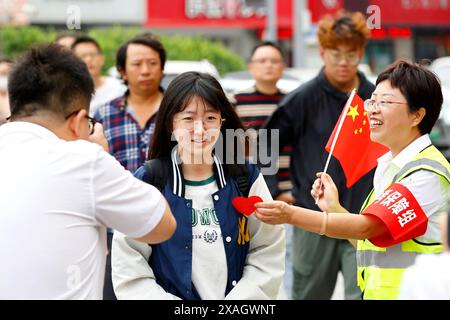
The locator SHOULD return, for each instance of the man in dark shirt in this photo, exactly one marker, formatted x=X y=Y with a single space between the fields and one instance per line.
x=306 y=119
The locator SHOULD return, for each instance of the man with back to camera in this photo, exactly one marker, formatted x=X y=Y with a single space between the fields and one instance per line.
x=58 y=190
x=306 y=119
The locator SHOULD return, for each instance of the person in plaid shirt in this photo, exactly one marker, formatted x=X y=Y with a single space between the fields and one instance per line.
x=129 y=120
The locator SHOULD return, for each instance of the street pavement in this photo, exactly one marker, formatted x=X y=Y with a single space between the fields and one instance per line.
x=286 y=293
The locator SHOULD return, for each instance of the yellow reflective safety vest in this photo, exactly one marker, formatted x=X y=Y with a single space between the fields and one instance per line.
x=380 y=270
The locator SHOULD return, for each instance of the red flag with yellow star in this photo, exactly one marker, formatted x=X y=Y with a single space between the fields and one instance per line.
x=353 y=148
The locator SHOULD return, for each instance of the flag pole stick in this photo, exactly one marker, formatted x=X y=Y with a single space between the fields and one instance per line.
x=341 y=122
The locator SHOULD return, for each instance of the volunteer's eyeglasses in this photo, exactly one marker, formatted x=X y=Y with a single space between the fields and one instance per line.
x=371 y=105
x=336 y=57
x=92 y=121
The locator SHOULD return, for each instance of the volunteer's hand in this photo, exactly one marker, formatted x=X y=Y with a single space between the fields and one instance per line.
x=327 y=193
x=274 y=212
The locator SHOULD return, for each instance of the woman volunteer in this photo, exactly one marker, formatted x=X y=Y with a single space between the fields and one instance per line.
x=399 y=219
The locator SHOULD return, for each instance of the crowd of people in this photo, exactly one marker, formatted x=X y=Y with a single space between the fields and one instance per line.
x=127 y=193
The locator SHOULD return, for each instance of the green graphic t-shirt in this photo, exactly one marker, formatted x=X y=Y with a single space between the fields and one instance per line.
x=209 y=264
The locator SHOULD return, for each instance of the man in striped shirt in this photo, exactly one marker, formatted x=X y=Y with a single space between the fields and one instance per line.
x=256 y=104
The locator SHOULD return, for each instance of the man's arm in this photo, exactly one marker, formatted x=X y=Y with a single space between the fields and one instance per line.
x=163 y=230
x=126 y=204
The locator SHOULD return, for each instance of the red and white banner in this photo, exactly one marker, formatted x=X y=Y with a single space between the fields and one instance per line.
x=401 y=213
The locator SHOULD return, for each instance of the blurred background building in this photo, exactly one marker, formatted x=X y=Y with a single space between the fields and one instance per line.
x=413 y=29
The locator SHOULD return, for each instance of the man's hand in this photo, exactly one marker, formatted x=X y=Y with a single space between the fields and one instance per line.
x=98 y=137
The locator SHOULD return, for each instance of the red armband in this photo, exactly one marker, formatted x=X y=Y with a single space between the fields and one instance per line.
x=400 y=212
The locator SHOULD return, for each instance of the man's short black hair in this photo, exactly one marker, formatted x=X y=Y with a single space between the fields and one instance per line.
x=49 y=78
x=86 y=39
x=146 y=39
x=419 y=86
x=266 y=44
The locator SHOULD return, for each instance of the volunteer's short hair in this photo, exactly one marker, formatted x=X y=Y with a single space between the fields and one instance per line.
x=146 y=39
x=49 y=78
x=266 y=44
x=344 y=28
x=419 y=86
x=86 y=39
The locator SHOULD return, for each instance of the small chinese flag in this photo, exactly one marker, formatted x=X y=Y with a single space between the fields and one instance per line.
x=353 y=148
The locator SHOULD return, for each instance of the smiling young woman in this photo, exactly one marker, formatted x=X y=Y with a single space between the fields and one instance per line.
x=217 y=252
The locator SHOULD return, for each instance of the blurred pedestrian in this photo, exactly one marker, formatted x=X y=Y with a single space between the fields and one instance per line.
x=256 y=104
x=217 y=252
x=106 y=88
x=305 y=119
x=58 y=190
x=66 y=39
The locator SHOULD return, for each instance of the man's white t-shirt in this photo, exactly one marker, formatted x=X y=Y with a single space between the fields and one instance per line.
x=57 y=197
x=109 y=90
x=209 y=262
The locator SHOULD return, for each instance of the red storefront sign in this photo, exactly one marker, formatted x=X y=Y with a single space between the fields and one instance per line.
x=227 y=13
x=414 y=12
x=200 y=13
x=239 y=14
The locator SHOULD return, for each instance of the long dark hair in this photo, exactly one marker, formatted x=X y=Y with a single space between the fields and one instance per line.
x=176 y=98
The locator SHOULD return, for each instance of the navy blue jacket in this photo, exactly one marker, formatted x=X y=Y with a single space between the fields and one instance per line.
x=171 y=261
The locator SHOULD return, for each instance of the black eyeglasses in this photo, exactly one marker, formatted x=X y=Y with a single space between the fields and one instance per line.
x=92 y=121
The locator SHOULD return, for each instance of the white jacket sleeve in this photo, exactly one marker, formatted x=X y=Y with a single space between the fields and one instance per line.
x=265 y=264
x=132 y=277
